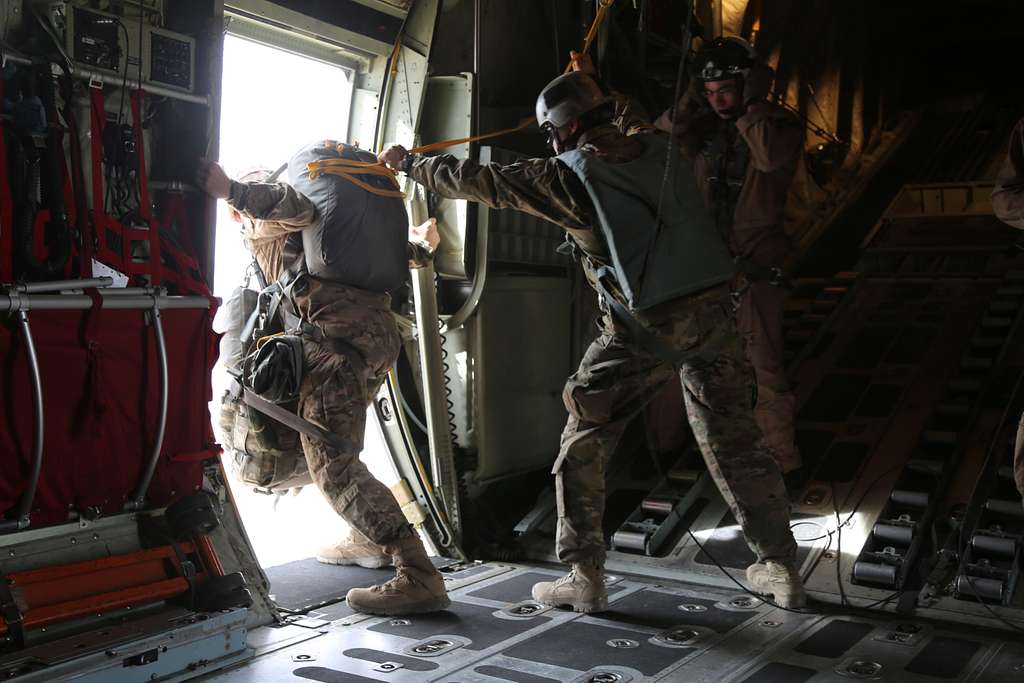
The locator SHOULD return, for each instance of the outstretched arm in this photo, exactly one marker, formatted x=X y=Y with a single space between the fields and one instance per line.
x=544 y=188
x=277 y=207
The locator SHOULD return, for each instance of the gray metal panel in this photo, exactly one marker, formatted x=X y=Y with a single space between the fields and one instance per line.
x=174 y=647
x=448 y=115
x=311 y=25
x=516 y=237
x=518 y=410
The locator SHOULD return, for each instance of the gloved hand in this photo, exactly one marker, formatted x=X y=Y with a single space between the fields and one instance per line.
x=425 y=234
x=758 y=84
x=393 y=157
x=212 y=179
x=583 y=62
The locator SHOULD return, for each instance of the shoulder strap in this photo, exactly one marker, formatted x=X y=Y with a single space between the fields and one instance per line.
x=286 y=417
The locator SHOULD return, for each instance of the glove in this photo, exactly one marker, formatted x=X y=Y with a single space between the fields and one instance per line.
x=758 y=84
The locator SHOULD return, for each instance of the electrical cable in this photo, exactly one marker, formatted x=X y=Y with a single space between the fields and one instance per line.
x=839 y=546
x=672 y=117
x=413 y=417
x=554 y=26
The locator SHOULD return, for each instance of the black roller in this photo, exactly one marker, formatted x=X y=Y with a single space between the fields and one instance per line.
x=873 y=572
x=998 y=546
x=1010 y=508
x=893 y=533
x=917 y=499
x=987 y=589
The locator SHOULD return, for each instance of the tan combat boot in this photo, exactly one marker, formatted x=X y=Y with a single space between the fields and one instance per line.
x=354 y=549
x=416 y=588
x=779 y=579
x=582 y=589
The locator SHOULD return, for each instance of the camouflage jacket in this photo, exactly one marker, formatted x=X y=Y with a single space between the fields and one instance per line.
x=277 y=210
x=1008 y=194
x=774 y=139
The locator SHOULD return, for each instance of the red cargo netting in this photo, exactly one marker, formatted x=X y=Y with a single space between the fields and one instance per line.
x=101 y=387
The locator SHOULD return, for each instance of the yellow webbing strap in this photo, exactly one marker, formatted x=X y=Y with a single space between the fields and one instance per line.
x=350 y=169
x=599 y=18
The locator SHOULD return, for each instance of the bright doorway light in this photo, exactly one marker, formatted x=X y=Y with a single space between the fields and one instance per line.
x=275 y=102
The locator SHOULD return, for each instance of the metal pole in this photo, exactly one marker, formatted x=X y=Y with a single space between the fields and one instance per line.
x=138 y=498
x=111 y=301
x=468 y=307
x=24 y=508
x=132 y=83
x=62 y=285
x=118 y=81
x=442 y=457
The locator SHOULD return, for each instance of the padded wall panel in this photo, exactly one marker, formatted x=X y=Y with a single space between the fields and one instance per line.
x=100 y=377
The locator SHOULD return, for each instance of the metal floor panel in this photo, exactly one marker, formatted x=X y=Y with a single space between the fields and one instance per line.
x=487 y=635
x=651 y=633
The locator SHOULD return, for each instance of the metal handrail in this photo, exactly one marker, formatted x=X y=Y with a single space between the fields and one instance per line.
x=24 y=509
x=20 y=300
x=138 y=498
x=16 y=301
x=62 y=285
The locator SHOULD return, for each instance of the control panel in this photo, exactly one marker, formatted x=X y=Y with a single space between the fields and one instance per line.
x=96 y=39
x=171 y=59
x=106 y=42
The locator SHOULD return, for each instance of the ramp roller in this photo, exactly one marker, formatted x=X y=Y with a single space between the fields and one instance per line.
x=630 y=540
x=917 y=499
x=987 y=589
x=657 y=507
x=999 y=546
x=874 y=572
x=893 y=533
x=1010 y=508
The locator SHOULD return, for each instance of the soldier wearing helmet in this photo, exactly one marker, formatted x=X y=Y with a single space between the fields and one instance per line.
x=745 y=152
x=348 y=341
x=662 y=273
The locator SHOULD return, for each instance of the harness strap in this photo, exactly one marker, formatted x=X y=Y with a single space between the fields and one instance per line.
x=643 y=335
x=285 y=417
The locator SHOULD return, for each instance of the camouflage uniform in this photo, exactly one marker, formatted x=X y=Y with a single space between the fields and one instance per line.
x=344 y=370
x=616 y=377
x=1008 y=204
x=758 y=153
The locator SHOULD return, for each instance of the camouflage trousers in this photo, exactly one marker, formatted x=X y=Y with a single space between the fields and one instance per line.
x=342 y=374
x=616 y=379
x=759 y=319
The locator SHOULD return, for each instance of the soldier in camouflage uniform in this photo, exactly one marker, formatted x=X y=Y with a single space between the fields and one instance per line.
x=745 y=152
x=1008 y=205
x=341 y=375
x=618 y=375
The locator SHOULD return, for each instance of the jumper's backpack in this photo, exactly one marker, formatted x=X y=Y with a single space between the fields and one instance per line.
x=361 y=234
x=261 y=451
